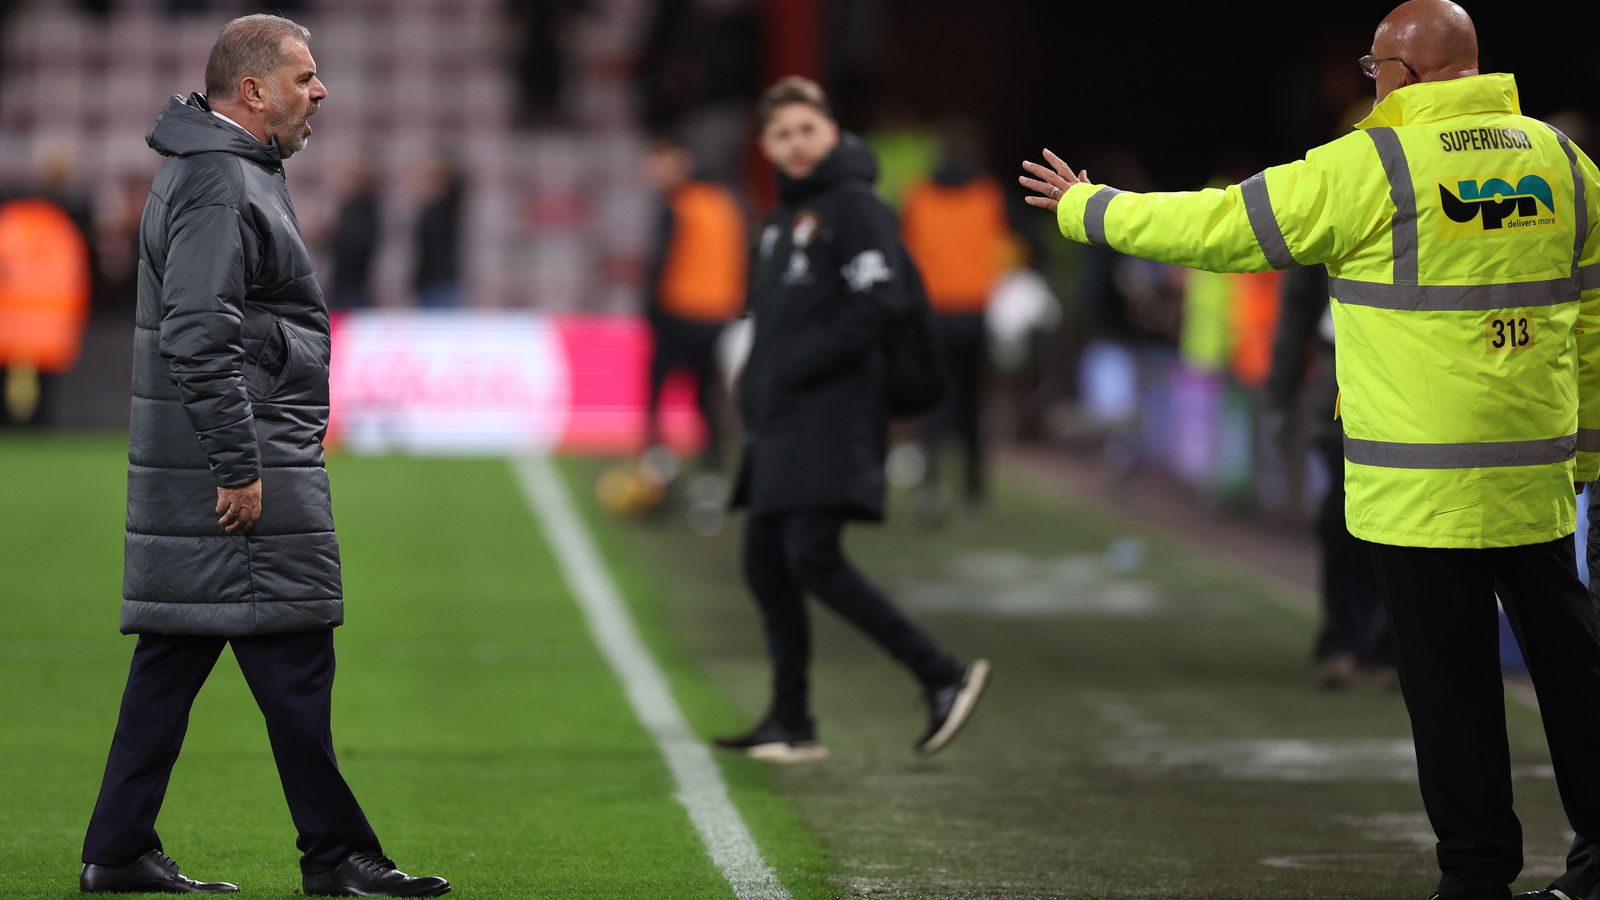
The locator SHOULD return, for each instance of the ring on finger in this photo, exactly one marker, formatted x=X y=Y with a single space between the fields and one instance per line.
x=1055 y=193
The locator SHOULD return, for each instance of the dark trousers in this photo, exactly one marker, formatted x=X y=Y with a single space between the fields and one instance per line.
x=1446 y=631
x=786 y=556
x=686 y=344
x=291 y=677
x=964 y=347
x=1353 y=620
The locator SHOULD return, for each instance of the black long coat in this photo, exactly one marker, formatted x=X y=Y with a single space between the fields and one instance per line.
x=230 y=384
x=828 y=278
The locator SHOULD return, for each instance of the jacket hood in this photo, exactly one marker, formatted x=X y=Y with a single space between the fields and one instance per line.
x=187 y=127
x=850 y=161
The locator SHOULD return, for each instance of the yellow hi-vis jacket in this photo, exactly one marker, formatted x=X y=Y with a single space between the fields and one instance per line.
x=1464 y=261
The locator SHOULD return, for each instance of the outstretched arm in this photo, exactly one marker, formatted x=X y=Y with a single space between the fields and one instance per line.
x=1284 y=216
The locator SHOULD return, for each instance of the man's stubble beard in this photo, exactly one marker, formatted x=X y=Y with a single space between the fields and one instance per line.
x=290 y=130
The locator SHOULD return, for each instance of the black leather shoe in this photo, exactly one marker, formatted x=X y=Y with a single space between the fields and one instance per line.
x=949 y=707
x=152 y=873
x=370 y=875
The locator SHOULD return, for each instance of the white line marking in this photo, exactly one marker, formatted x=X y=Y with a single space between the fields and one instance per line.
x=701 y=789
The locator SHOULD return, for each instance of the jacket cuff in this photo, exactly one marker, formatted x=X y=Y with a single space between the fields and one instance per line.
x=240 y=464
x=1072 y=213
x=1588 y=467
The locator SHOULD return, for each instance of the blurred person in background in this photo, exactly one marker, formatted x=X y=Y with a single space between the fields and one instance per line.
x=830 y=278
x=48 y=281
x=1463 y=252
x=700 y=71
x=954 y=224
x=353 y=244
x=1224 y=345
x=437 y=277
x=906 y=145
x=58 y=181
x=543 y=30
x=695 y=285
x=45 y=282
x=118 y=239
x=230 y=535
x=1354 y=634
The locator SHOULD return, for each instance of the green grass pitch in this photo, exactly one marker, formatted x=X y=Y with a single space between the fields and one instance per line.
x=1151 y=732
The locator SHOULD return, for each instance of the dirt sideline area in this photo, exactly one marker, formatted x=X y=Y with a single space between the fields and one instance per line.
x=1287 y=556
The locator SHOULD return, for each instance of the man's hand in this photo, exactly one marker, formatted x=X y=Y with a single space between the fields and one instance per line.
x=240 y=507
x=1051 y=183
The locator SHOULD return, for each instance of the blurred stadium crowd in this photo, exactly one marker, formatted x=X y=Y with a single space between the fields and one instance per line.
x=483 y=155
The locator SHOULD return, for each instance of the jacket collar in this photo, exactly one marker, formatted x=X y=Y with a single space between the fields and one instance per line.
x=1431 y=101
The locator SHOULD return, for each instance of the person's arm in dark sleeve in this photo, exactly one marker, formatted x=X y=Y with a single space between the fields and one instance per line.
x=752 y=260
x=873 y=284
x=1299 y=312
x=201 y=323
x=656 y=268
x=1592 y=542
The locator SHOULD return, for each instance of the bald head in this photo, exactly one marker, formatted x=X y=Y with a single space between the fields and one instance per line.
x=1435 y=38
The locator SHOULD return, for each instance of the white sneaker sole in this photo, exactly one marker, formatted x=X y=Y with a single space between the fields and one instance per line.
x=966 y=701
x=784 y=754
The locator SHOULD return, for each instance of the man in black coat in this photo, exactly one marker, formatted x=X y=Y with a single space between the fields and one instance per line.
x=230 y=406
x=828 y=282
x=1355 y=630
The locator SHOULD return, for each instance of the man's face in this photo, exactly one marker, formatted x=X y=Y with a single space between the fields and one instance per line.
x=293 y=93
x=666 y=166
x=797 y=137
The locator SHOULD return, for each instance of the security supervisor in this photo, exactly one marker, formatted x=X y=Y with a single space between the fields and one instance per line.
x=1465 y=283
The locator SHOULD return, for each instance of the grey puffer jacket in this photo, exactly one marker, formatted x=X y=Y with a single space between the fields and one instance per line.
x=230 y=384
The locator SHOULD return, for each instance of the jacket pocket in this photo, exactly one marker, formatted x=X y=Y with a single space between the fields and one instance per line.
x=264 y=372
x=303 y=376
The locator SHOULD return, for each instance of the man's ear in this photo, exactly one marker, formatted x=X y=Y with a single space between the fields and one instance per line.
x=250 y=91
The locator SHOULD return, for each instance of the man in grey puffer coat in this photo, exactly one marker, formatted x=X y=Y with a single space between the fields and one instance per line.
x=230 y=526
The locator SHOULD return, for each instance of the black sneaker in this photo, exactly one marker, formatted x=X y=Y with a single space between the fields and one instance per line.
x=371 y=875
x=1546 y=894
x=771 y=742
x=153 y=873
x=950 y=706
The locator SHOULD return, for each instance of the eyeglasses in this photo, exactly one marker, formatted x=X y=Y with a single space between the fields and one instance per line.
x=1369 y=65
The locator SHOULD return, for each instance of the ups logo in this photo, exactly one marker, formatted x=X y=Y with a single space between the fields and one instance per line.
x=1496 y=204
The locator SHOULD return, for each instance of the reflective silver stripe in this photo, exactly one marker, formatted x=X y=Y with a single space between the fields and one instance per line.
x=1258 y=206
x=1589 y=440
x=1589 y=277
x=1486 y=455
x=1580 y=202
x=1445 y=297
x=1404 y=196
x=1094 y=215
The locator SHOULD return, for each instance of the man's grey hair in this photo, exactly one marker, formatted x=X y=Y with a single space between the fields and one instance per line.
x=249 y=45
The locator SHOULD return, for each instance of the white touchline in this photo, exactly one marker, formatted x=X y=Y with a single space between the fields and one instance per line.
x=701 y=789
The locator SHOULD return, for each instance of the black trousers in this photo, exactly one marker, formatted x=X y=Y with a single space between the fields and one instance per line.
x=1353 y=620
x=786 y=556
x=686 y=344
x=1446 y=630
x=964 y=345
x=291 y=677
